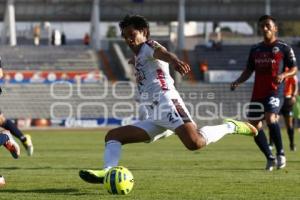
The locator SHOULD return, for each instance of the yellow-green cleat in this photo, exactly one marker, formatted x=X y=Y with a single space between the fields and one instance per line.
x=28 y=145
x=243 y=128
x=92 y=176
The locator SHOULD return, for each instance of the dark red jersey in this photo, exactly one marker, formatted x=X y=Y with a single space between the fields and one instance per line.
x=268 y=61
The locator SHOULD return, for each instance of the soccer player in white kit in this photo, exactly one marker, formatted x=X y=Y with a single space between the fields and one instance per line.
x=166 y=109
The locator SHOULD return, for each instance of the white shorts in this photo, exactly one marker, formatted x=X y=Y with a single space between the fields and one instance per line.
x=166 y=113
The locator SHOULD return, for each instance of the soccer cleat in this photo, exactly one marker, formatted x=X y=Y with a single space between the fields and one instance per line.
x=93 y=176
x=271 y=163
x=243 y=128
x=28 y=145
x=281 y=162
x=293 y=147
x=12 y=146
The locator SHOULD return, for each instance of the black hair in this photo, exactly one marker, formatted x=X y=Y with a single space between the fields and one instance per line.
x=137 y=21
x=267 y=17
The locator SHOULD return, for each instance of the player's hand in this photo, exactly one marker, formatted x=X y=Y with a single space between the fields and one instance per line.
x=182 y=67
x=131 y=61
x=233 y=85
x=279 y=78
x=293 y=99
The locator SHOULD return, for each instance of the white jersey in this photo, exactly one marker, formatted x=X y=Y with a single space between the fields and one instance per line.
x=152 y=75
x=159 y=99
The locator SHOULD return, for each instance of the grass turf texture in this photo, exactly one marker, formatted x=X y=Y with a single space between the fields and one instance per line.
x=230 y=169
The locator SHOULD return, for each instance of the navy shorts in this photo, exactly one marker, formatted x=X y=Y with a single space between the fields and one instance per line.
x=259 y=107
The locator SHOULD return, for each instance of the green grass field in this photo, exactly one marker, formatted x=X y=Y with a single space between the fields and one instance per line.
x=229 y=169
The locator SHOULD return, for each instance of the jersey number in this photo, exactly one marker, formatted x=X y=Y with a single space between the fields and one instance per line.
x=274 y=101
x=171 y=117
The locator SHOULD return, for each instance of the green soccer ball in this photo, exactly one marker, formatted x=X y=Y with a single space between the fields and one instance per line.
x=118 y=180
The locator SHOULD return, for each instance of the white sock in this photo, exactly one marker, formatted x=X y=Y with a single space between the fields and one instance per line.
x=112 y=153
x=214 y=133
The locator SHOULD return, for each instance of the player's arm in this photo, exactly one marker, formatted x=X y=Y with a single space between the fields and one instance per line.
x=295 y=86
x=131 y=61
x=243 y=77
x=250 y=66
x=290 y=62
x=289 y=73
x=163 y=54
x=296 y=89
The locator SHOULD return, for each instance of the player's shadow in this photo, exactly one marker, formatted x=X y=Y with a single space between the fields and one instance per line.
x=48 y=190
x=69 y=191
x=38 y=168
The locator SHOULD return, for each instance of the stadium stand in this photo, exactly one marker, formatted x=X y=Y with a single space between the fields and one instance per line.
x=229 y=57
x=108 y=66
x=48 y=58
x=36 y=100
x=31 y=73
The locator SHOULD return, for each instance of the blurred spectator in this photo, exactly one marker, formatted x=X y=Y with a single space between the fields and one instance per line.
x=63 y=38
x=203 y=67
x=52 y=37
x=218 y=43
x=47 y=27
x=56 y=38
x=64 y=76
x=6 y=79
x=86 y=39
x=37 y=78
x=36 y=35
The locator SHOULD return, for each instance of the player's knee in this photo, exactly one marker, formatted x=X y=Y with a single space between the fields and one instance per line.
x=271 y=121
x=108 y=136
x=257 y=124
x=190 y=137
x=271 y=118
x=193 y=147
x=111 y=135
x=196 y=144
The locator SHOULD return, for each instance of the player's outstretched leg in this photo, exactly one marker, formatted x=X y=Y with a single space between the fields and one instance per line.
x=194 y=140
x=11 y=145
x=243 y=128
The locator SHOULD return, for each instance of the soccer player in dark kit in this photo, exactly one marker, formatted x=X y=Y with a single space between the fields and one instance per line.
x=268 y=59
